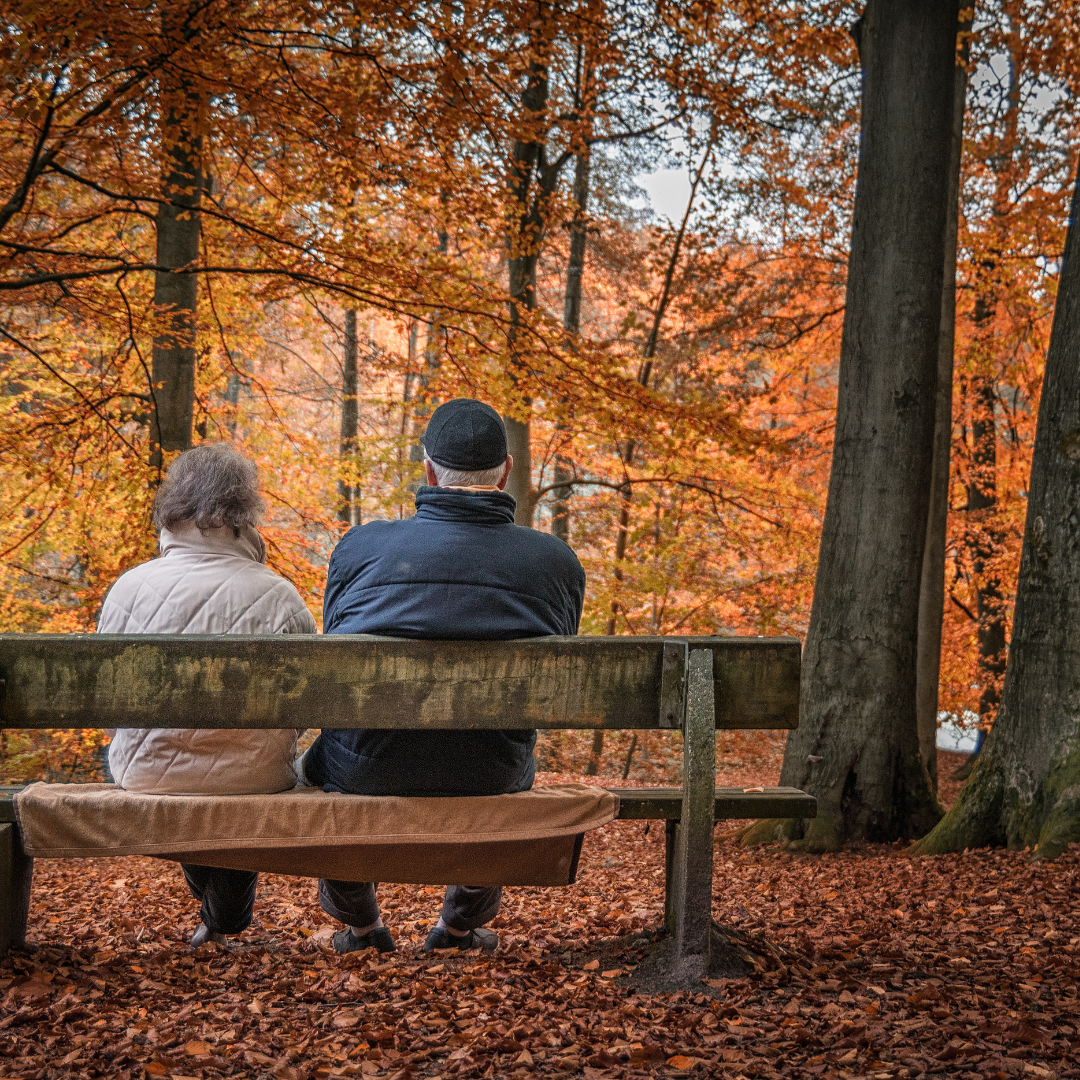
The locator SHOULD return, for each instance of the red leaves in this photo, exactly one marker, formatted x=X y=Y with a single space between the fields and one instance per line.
x=845 y=983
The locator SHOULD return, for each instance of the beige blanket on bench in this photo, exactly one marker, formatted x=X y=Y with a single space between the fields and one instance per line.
x=530 y=838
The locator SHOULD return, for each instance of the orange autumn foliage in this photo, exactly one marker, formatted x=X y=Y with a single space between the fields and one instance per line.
x=361 y=162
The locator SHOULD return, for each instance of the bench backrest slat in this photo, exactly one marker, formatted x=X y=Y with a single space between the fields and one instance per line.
x=346 y=681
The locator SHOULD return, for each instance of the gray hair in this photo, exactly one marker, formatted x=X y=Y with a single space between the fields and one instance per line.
x=212 y=485
x=459 y=478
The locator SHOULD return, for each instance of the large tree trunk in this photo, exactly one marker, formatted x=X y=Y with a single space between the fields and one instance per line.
x=857 y=747
x=175 y=285
x=932 y=579
x=1025 y=787
x=347 y=494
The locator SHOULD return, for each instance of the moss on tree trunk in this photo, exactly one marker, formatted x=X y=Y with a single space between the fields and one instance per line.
x=1024 y=790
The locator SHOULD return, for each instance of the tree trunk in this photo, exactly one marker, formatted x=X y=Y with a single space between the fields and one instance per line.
x=176 y=286
x=575 y=270
x=932 y=579
x=645 y=373
x=432 y=361
x=532 y=181
x=983 y=541
x=857 y=746
x=1025 y=787
x=347 y=494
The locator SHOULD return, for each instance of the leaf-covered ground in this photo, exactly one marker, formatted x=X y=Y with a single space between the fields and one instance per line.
x=878 y=965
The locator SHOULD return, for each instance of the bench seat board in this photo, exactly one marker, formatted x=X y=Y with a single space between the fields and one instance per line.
x=649 y=804
x=645 y=804
x=530 y=838
x=359 y=681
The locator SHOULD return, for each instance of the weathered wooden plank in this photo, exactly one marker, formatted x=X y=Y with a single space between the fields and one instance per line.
x=692 y=862
x=268 y=681
x=334 y=681
x=757 y=681
x=16 y=871
x=653 y=804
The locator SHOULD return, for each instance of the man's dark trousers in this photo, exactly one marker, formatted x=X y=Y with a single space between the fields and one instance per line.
x=465 y=907
x=459 y=570
x=227 y=896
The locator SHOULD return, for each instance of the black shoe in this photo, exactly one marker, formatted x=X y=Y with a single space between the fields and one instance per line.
x=481 y=938
x=203 y=934
x=345 y=941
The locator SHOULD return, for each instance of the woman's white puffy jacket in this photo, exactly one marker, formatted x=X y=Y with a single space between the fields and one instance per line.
x=209 y=582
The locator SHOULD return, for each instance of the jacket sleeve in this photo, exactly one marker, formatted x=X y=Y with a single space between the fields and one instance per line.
x=300 y=622
x=298 y=619
x=334 y=585
x=575 y=588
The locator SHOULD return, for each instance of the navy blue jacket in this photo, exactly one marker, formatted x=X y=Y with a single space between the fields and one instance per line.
x=460 y=569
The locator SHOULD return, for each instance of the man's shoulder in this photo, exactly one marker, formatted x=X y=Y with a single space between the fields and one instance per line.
x=371 y=532
x=542 y=545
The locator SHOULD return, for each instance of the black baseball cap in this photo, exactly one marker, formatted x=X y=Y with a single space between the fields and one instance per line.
x=465 y=434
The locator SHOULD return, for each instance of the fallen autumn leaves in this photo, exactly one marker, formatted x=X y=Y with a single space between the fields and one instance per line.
x=881 y=966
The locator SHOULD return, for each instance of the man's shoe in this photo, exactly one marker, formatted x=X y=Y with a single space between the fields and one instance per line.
x=203 y=934
x=345 y=941
x=481 y=938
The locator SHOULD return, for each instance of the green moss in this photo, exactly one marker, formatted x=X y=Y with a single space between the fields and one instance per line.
x=769 y=831
x=1061 y=826
x=975 y=817
x=825 y=833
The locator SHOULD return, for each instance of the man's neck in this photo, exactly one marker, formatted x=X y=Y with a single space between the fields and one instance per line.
x=471 y=487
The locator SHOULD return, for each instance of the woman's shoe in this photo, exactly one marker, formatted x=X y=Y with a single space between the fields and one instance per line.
x=203 y=934
x=345 y=941
x=480 y=938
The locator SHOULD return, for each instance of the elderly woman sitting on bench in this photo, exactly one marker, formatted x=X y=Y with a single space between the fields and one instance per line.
x=211 y=578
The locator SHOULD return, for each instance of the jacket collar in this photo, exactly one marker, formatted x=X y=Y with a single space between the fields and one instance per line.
x=186 y=539
x=463 y=504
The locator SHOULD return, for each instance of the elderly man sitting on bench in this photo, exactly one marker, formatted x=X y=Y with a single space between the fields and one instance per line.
x=459 y=569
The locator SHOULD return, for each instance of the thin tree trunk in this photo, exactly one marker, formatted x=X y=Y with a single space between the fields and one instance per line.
x=645 y=373
x=532 y=181
x=426 y=406
x=857 y=746
x=575 y=270
x=176 y=283
x=983 y=540
x=347 y=494
x=1025 y=787
x=932 y=580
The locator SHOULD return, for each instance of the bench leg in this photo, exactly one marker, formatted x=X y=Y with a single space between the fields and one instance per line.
x=16 y=871
x=671 y=834
x=691 y=868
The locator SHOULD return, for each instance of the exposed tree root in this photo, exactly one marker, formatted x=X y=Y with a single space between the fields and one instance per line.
x=735 y=954
x=991 y=811
x=769 y=831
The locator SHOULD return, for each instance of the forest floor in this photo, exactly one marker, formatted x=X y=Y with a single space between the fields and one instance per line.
x=878 y=965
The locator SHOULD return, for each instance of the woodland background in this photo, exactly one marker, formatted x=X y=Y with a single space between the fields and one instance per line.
x=410 y=202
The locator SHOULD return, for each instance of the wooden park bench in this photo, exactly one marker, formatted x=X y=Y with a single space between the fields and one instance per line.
x=698 y=685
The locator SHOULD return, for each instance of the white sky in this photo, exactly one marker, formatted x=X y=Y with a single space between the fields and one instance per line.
x=668 y=191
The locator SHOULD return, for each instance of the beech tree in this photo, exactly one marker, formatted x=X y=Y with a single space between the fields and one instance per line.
x=932 y=580
x=857 y=747
x=1024 y=789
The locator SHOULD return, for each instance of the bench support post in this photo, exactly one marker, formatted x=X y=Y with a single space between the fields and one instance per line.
x=16 y=871
x=689 y=903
